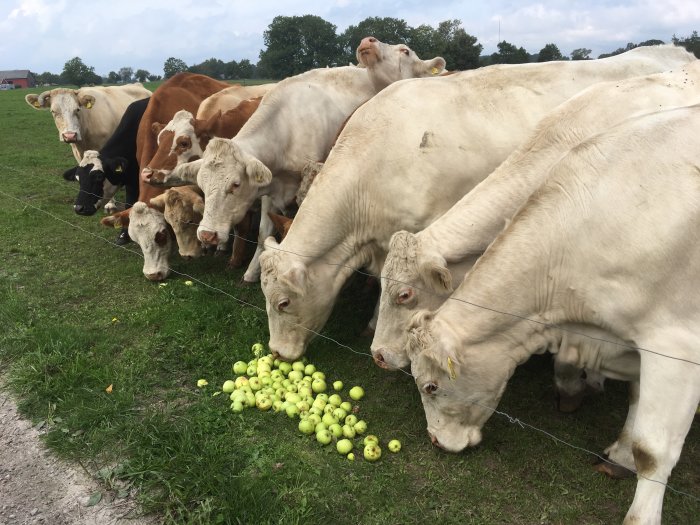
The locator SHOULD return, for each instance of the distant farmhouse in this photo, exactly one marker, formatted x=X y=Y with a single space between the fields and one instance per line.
x=17 y=78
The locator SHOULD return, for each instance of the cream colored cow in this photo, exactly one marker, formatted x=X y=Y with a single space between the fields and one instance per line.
x=403 y=159
x=420 y=268
x=604 y=258
x=87 y=117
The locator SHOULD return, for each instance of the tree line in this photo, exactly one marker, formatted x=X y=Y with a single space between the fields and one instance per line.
x=294 y=44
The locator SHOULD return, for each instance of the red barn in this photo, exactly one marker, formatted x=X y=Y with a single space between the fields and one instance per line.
x=18 y=78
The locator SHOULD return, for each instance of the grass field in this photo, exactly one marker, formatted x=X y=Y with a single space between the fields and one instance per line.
x=77 y=316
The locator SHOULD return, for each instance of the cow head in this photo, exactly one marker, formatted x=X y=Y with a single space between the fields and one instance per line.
x=181 y=140
x=294 y=310
x=231 y=180
x=149 y=229
x=387 y=63
x=65 y=106
x=98 y=178
x=182 y=208
x=460 y=384
x=412 y=279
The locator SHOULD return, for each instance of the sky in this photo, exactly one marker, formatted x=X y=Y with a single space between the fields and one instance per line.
x=42 y=35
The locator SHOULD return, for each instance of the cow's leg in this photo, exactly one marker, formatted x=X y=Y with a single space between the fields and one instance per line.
x=668 y=398
x=568 y=379
x=240 y=241
x=620 y=452
x=267 y=228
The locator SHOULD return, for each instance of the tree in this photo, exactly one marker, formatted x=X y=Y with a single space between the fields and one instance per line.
x=46 y=78
x=212 y=67
x=172 y=66
x=509 y=54
x=581 y=54
x=113 y=77
x=550 y=52
x=153 y=78
x=426 y=42
x=459 y=49
x=76 y=72
x=141 y=75
x=246 y=69
x=389 y=30
x=691 y=43
x=298 y=43
x=125 y=74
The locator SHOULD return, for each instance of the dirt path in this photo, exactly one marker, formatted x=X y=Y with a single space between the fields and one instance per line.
x=37 y=488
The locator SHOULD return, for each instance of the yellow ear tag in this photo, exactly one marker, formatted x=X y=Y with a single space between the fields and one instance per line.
x=451 y=368
x=434 y=71
x=118 y=169
x=36 y=104
x=118 y=225
x=88 y=105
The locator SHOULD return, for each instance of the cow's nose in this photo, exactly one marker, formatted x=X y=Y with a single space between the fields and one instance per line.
x=379 y=360
x=69 y=136
x=366 y=41
x=434 y=440
x=157 y=276
x=208 y=237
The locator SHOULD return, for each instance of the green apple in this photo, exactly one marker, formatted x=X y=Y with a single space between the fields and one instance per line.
x=292 y=410
x=295 y=375
x=237 y=406
x=240 y=367
x=285 y=367
x=303 y=407
x=277 y=405
x=318 y=386
x=356 y=393
x=264 y=403
x=258 y=349
x=255 y=383
x=340 y=414
x=337 y=385
x=344 y=446
x=316 y=411
x=351 y=420
x=306 y=426
x=309 y=369
x=320 y=426
x=298 y=366
x=320 y=403
x=328 y=409
x=360 y=427
x=324 y=436
x=241 y=381
x=314 y=417
x=335 y=399
x=351 y=457
x=292 y=397
x=252 y=370
x=328 y=419
x=394 y=445
x=318 y=375
x=323 y=396
x=347 y=406
x=348 y=431
x=264 y=368
x=370 y=438
x=336 y=430
x=305 y=391
x=229 y=386
x=372 y=452
x=249 y=399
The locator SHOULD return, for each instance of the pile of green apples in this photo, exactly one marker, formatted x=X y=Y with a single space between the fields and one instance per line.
x=301 y=391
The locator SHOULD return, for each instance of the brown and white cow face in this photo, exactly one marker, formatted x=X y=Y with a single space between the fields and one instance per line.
x=182 y=208
x=411 y=281
x=65 y=106
x=148 y=228
x=460 y=386
x=231 y=180
x=178 y=143
x=388 y=63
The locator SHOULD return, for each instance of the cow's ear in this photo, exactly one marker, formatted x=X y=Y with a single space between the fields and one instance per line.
x=432 y=67
x=158 y=202
x=38 y=101
x=113 y=221
x=257 y=172
x=433 y=270
x=157 y=127
x=86 y=101
x=116 y=165
x=69 y=174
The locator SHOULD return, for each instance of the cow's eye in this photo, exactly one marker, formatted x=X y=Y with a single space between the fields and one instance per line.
x=234 y=186
x=283 y=304
x=404 y=296
x=405 y=51
x=430 y=388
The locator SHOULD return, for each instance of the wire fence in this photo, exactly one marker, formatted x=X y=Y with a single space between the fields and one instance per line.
x=511 y=419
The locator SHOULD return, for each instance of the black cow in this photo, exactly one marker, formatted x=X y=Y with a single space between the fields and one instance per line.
x=115 y=164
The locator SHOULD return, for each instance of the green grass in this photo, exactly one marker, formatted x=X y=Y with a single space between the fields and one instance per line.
x=78 y=316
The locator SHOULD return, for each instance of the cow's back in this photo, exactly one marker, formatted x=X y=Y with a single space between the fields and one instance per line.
x=229 y=98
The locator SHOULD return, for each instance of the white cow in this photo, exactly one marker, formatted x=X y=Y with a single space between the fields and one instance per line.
x=420 y=268
x=608 y=247
x=403 y=159
x=296 y=123
x=87 y=117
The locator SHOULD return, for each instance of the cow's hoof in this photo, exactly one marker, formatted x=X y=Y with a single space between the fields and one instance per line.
x=123 y=238
x=234 y=263
x=612 y=470
x=569 y=403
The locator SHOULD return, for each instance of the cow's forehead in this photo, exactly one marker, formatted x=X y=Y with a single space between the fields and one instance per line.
x=181 y=123
x=64 y=101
